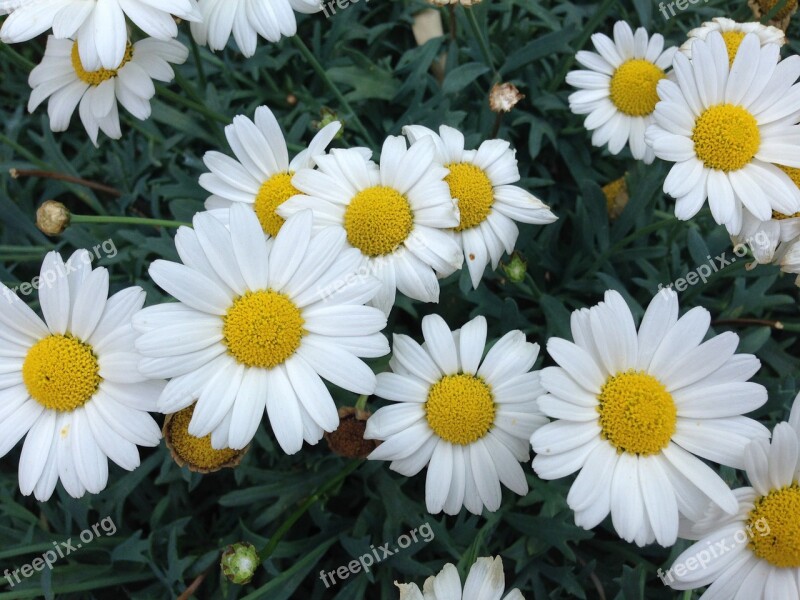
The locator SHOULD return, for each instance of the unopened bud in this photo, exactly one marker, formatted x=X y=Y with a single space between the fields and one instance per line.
x=516 y=268
x=52 y=217
x=239 y=562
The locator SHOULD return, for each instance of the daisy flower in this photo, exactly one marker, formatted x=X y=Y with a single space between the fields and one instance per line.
x=247 y=19
x=732 y=34
x=484 y=582
x=70 y=381
x=399 y=215
x=618 y=89
x=754 y=553
x=61 y=76
x=480 y=182
x=465 y=417
x=252 y=329
x=725 y=127
x=261 y=178
x=635 y=411
x=99 y=25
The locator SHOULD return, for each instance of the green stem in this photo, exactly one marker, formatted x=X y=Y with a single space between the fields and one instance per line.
x=127 y=221
x=267 y=551
x=17 y=57
x=315 y=64
x=588 y=30
x=485 y=49
x=201 y=74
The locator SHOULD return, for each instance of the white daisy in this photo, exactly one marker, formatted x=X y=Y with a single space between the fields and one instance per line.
x=399 y=216
x=753 y=554
x=99 y=25
x=485 y=581
x=62 y=78
x=633 y=410
x=724 y=127
x=733 y=33
x=618 y=91
x=480 y=182
x=253 y=329
x=262 y=176
x=467 y=419
x=70 y=382
x=764 y=237
x=248 y=19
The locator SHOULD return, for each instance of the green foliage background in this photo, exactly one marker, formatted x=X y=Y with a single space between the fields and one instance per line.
x=172 y=524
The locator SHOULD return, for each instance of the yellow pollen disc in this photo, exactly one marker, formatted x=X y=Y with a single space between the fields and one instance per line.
x=460 y=408
x=726 y=137
x=779 y=545
x=274 y=191
x=377 y=220
x=474 y=192
x=61 y=372
x=263 y=329
x=196 y=452
x=768 y=5
x=101 y=75
x=732 y=40
x=793 y=173
x=637 y=413
x=633 y=87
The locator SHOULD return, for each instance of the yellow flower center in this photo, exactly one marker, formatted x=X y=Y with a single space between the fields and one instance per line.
x=474 y=192
x=101 y=75
x=377 y=220
x=263 y=329
x=732 y=40
x=780 y=511
x=633 y=87
x=793 y=173
x=460 y=408
x=726 y=137
x=61 y=372
x=273 y=192
x=637 y=413
x=196 y=452
x=768 y=5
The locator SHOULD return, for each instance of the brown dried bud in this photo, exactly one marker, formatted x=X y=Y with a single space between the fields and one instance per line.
x=348 y=439
x=761 y=8
x=504 y=97
x=52 y=217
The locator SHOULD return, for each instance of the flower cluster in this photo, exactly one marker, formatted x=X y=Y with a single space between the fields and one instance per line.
x=724 y=109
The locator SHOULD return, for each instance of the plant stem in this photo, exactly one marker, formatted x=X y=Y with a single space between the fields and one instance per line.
x=201 y=74
x=15 y=173
x=485 y=49
x=127 y=221
x=315 y=64
x=267 y=551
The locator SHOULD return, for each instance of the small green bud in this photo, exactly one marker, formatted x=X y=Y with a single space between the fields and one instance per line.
x=239 y=562
x=516 y=268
